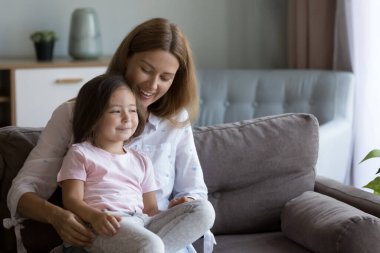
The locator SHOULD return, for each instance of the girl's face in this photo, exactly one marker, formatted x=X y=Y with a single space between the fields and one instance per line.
x=119 y=121
x=153 y=73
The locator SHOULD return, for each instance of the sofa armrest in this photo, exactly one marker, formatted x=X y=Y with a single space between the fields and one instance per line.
x=351 y=195
x=325 y=225
x=334 y=139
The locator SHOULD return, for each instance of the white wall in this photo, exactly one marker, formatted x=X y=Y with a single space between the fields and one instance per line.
x=222 y=33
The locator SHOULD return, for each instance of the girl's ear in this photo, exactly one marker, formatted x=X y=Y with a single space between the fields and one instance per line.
x=92 y=134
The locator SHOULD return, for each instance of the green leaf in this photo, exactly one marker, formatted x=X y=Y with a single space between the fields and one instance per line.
x=372 y=154
x=43 y=36
x=374 y=185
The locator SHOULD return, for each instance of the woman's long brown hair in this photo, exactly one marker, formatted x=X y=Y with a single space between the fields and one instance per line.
x=159 y=33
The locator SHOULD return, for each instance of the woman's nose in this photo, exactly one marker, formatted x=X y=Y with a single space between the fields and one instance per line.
x=153 y=82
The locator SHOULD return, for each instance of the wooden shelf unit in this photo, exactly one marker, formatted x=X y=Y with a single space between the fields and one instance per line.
x=29 y=90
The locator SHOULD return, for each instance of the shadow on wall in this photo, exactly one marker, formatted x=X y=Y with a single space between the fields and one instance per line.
x=261 y=42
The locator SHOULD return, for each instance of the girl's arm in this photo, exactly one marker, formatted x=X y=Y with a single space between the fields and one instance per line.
x=150 y=203
x=102 y=222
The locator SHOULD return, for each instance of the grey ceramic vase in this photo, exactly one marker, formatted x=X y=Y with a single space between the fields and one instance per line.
x=85 y=38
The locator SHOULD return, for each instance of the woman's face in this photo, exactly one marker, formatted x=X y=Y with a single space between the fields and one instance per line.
x=153 y=73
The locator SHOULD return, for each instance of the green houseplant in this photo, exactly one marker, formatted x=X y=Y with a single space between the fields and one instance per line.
x=375 y=183
x=44 y=44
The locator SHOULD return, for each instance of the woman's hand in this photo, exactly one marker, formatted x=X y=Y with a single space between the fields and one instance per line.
x=178 y=201
x=71 y=228
x=105 y=224
x=68 y=226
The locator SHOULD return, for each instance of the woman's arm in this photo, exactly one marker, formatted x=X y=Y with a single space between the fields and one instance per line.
x=102 y=222
x=178 y=201
x=70 y=228
x=36 y=181
x=39 y=172
x=189 y=182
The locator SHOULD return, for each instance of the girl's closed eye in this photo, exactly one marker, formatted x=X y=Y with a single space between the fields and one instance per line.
x=114 y=111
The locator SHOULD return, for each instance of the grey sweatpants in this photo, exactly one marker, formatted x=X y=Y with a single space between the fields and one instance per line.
x=168 y=231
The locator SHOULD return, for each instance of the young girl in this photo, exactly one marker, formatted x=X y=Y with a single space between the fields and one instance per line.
x=111 y=187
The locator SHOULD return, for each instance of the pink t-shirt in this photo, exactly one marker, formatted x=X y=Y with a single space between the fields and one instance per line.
x=111 y=181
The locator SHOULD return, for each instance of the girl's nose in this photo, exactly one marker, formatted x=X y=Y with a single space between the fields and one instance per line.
x=125 y=116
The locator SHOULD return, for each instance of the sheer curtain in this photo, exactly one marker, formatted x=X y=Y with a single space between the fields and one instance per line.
x=364 y=33
x=344 y=35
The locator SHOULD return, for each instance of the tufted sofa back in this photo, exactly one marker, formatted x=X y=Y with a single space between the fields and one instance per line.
x=229 y=95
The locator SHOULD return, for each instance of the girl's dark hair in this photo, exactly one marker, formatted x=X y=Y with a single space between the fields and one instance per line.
x=92 y=101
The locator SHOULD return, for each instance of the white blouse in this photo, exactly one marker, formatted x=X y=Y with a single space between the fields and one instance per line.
x=174 y=157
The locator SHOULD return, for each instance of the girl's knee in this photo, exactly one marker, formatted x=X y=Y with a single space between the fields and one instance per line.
x=205 y=211
x=153 y=243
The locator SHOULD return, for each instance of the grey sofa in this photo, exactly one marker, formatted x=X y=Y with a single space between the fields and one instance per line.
x=229 y=95
x=261 y=179
x=262 y=184
x=260 y=172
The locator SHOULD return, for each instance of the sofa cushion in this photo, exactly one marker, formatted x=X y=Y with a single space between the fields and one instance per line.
x=313 y=218
x=274 y=242
x=252 y=168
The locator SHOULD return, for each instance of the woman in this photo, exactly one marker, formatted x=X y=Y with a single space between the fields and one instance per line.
x=155 y=58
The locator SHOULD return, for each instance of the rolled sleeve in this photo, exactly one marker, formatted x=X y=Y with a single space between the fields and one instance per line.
x=39 y=172
x=189 y=175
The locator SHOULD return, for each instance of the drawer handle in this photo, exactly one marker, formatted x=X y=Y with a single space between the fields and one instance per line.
x=69 y=80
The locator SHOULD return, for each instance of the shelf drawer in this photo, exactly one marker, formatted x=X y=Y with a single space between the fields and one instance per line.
x=39 y=91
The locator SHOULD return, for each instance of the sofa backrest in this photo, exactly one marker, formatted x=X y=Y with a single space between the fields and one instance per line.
x=229 y=95
x=252 y=168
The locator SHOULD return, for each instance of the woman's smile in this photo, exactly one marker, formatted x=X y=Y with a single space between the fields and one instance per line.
x=153 y=73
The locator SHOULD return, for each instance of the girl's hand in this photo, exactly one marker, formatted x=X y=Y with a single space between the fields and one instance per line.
x=105 y=224
x=178 y=201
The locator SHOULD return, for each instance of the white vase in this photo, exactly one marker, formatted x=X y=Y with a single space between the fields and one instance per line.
x=85 y=38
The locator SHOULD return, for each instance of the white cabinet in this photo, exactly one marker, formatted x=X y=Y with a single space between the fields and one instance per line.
x=30 y=90
x=39 y=91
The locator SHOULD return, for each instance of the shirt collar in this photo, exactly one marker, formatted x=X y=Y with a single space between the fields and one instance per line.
x=153 y=120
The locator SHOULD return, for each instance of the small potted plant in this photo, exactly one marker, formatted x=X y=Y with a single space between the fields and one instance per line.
x=375 y=183
x=44 y=44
